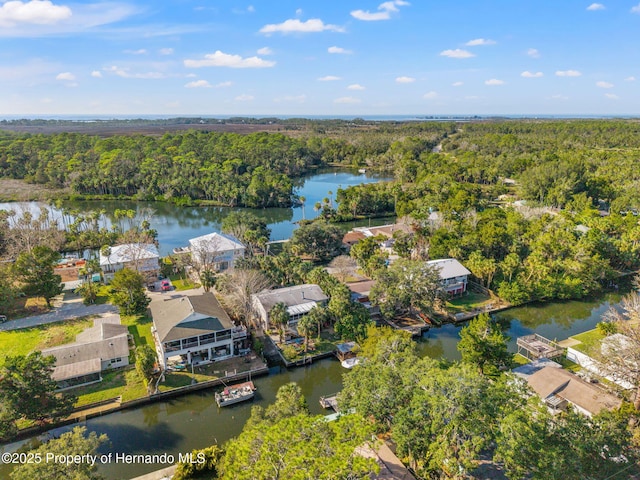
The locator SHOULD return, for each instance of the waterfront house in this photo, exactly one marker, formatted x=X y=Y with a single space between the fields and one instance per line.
x=195 y=329
x=101 y=347
x=453 y=275
x=299 y=301
x=384 y=232
x=141 y=257
x=215 y=250
x=559 y=389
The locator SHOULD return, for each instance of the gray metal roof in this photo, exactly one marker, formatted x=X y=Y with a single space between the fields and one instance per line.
x=449 y=268
x=300 y=295
x=73 y=370
x=189 y=316
x=107 y=349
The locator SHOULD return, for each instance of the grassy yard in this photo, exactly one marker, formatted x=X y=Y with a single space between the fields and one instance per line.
x=180 y=283
x=467 y=302
x=26 y=340
x=520 y=360
x=140 y=327
x=121 y=382
x=590 y=340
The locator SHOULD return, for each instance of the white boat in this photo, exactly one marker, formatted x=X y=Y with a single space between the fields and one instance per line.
x=350 y=362
x=362 y=170
x=235 y=394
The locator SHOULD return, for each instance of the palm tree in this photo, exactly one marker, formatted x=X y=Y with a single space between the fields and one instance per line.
x=302 y=199
x=306 y=325
x=279 y=316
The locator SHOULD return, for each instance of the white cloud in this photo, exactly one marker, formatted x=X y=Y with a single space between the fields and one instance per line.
x=611 y=96
x=328 y=78
x=493 y=82
x=595 y=6
x=264 y=51
x=630 y=79
x=430 y=95
x=528 y=74
x=140 y=51
x=293 y=25
x=384 y=11
x=568 y=73
x=198 y=84
x=66 y=77
x=251 y=9
x=244 y=98
x=96 y=74
x=166 y=51
x=347 y=100
x=356 y=86
x=602 y=84
x=125 y=73
x=299 y=12
x=38 y=12
x=636 y=9
x=457 y=53
x=339 y=50
x=223 y=84
x=480 y=41
x=220 y=59
x=533 y=53
x=405 y=79
x=36 y=18
x=558 y=96
x=457 y=84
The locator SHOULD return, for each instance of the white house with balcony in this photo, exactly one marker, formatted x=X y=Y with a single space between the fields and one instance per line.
x=453 y=275
x=216 y=250
x=141 y=257
x=299 y=301
x=195 y=329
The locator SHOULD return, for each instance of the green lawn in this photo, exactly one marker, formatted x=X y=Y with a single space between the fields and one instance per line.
x=590 y=340
x=520 y=360
x=181 y=284
x=122 y=382
x=140 y=327
x=26 y=340
x=467 y=302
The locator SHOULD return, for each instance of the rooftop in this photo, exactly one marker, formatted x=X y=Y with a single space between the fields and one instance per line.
x=215 y=242
x=549 y=381
x=304 y=296
x=129 y=252
x=449 y=268
x=189 y=316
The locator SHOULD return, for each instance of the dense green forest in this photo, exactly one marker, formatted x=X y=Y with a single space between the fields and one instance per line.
x=253 y=170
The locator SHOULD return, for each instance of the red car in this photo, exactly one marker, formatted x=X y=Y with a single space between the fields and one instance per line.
x=165 y=285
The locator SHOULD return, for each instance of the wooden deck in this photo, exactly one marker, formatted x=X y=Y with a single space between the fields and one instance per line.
x=330 y=401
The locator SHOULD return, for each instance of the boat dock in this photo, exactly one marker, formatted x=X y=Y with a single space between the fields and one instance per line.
x=330 y=401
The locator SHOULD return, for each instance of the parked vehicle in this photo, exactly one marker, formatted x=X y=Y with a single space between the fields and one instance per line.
x=3 y=318
x=165 y=285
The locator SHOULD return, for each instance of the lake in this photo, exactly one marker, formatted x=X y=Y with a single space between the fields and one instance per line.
x=176 y=225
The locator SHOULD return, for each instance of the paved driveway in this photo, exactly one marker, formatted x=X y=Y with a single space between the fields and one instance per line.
x=69 y=308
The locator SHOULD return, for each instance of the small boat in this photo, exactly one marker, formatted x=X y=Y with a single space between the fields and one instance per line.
x=362 y=170
x=235 y=394
x=350 y=362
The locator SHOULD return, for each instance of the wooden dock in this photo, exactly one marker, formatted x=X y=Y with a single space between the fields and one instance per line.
x=330 y=401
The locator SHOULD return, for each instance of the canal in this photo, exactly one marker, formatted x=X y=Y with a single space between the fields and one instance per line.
x=194 y=421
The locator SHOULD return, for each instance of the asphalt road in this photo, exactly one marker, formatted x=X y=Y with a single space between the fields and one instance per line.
x=65 y=308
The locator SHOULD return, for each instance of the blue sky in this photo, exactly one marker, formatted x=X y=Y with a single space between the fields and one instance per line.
x=352 y=57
